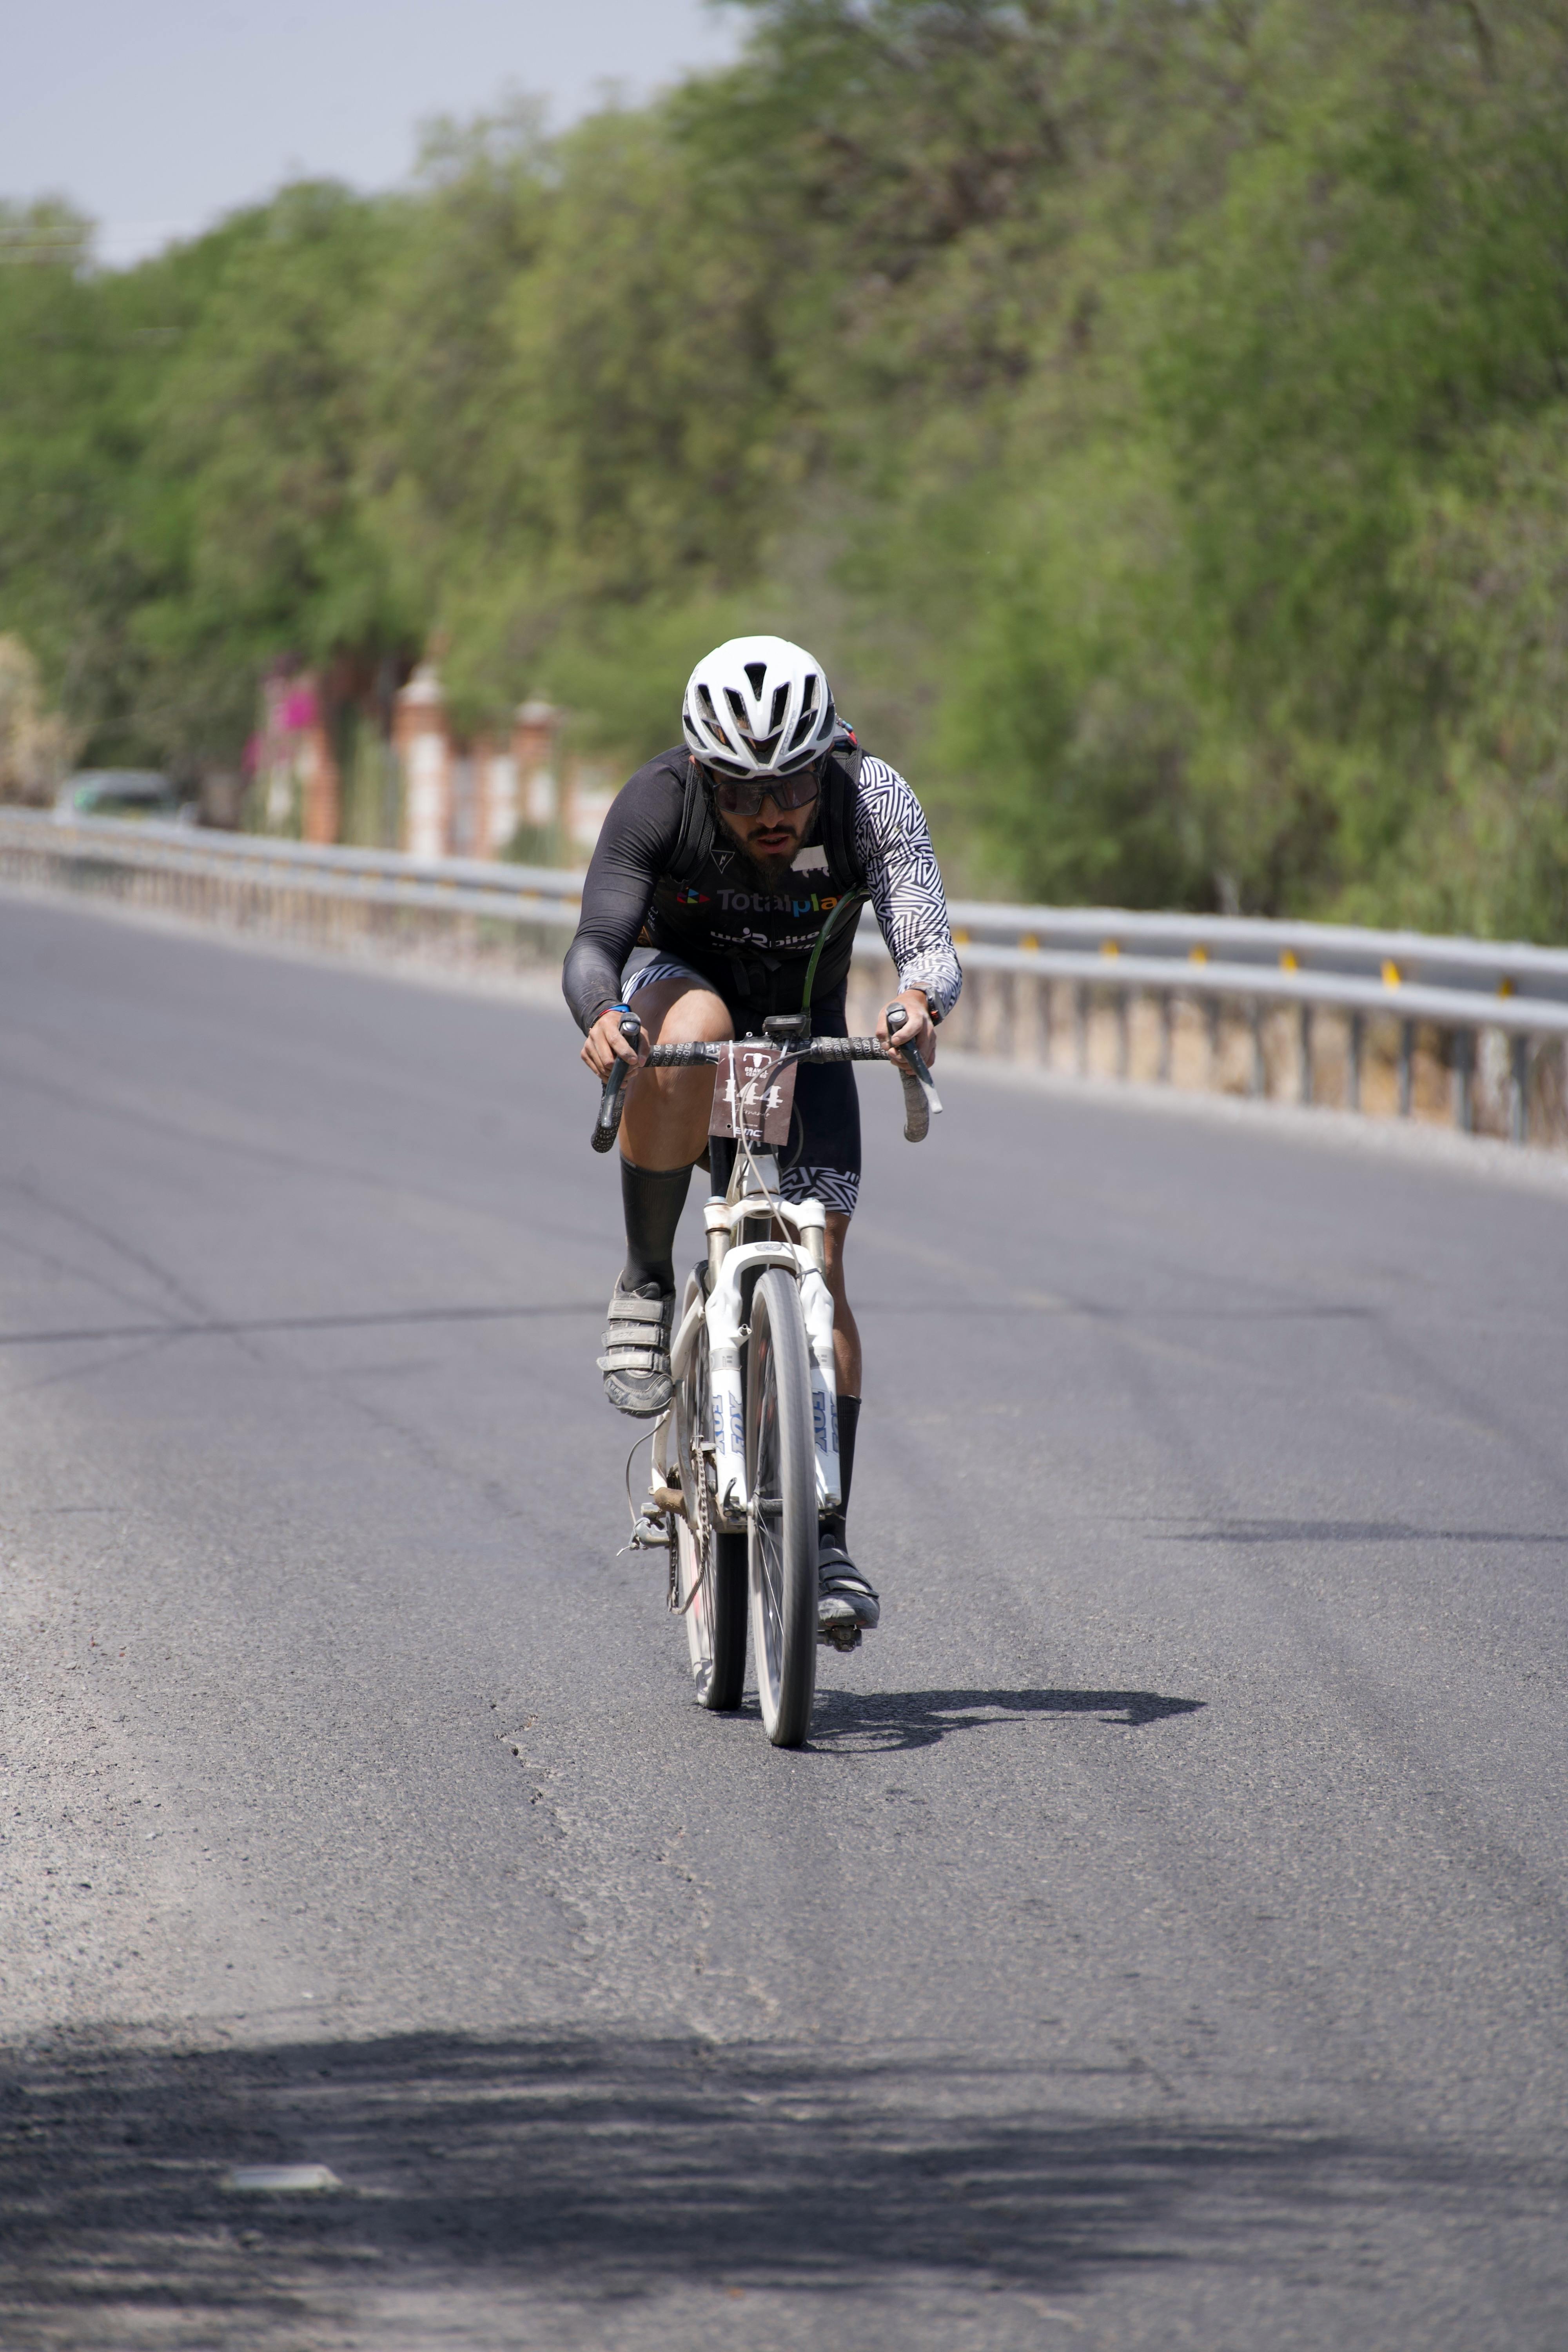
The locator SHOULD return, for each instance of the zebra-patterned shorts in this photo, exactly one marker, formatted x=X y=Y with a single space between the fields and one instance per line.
x=822 y=1161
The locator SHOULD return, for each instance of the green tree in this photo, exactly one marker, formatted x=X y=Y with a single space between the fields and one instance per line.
x=259 y=429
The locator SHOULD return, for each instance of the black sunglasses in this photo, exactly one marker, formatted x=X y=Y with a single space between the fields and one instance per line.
x=744 y=796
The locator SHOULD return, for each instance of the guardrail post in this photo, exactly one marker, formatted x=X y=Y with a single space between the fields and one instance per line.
x=1355 y=1048
x=1211 y=1011
x=1080 y=1028
x=1167 y=1031
x=1406 y=1066
x=1259 y=1062
x=1045 y=1010
x=1518 y=1090
x=1304 y=1054
x=1123 y=1033
x=1464 y=1080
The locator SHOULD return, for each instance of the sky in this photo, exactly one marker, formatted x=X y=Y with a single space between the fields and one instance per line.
x=158 y=115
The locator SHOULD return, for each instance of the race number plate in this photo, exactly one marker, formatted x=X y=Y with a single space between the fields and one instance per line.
x=752 y=1096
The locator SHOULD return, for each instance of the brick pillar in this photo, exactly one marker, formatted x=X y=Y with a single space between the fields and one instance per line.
x=321 y=794
x=425 y=759
x=533 y=740
x=498 y=817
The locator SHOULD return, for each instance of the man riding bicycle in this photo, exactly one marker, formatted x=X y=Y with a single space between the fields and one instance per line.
x=741 y=857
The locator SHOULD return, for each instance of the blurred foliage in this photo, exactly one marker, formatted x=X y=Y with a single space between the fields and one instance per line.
x=1155 y=412
x=34 y=742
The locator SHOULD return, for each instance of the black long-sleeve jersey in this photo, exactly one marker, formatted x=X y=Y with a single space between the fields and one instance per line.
x=755 y=944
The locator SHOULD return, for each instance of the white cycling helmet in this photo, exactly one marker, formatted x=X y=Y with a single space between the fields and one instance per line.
x=758 y=707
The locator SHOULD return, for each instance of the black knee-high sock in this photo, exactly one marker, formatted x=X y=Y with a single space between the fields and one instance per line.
x=848 y=1422
x=652 y=1198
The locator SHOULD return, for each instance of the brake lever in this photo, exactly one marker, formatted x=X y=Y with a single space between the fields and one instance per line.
x=607 y=1124
x=921 y=1096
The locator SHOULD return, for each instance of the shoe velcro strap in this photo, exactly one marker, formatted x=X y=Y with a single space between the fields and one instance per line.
x=625 y=1309
x=845 y=1580
x=624 y=1356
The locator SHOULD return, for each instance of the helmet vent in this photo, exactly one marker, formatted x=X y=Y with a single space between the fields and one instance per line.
x=757 y=672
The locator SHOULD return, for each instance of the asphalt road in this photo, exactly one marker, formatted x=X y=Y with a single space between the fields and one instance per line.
x=1162 y=1942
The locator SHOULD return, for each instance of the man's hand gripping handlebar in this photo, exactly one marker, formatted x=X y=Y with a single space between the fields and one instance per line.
x=921 y=1096
x=607 y=1124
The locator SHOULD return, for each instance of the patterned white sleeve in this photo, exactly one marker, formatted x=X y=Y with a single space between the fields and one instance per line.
x=893 y=842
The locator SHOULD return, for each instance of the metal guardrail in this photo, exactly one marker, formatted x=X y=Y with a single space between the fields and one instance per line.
x=379 y=878
x=1394 y=959
x=1461 y=987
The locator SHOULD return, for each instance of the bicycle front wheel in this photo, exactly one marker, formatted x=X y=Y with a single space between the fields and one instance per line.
x=781 y=1473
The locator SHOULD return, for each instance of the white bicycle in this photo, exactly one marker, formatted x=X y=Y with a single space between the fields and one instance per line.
x=745 y=1461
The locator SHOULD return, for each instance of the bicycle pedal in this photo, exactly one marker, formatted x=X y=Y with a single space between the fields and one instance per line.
x=839 y=1637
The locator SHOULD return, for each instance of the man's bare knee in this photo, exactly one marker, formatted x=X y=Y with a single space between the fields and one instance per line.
x=676 y=1012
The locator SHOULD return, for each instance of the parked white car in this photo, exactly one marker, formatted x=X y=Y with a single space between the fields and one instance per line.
x=119 y=791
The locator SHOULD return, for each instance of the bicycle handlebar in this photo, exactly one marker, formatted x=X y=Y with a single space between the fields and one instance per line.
x=921 y=1096
x=818 y=1049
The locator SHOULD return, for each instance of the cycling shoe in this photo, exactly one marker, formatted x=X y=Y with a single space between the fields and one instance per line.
x=636 y=1361
x=846 y=1605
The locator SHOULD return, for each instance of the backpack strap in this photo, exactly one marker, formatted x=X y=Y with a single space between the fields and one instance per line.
x=840 y=806
x=839 y=839
x=695 y=838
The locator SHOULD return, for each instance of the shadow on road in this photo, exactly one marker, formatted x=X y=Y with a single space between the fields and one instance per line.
x=1355 y=1531
x=606 y=2167
x=381 y=1320
x=895 y=1719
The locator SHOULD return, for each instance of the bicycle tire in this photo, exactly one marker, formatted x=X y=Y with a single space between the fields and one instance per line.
x=709 y=1570
x=781 y=1540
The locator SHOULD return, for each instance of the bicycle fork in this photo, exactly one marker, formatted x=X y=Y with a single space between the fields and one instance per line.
x=726 y=1333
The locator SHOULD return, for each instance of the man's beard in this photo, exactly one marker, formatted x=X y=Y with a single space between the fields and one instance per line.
x=770 y=873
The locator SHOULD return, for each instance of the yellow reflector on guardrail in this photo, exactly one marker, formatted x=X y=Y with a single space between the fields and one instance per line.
x=1392 y=975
